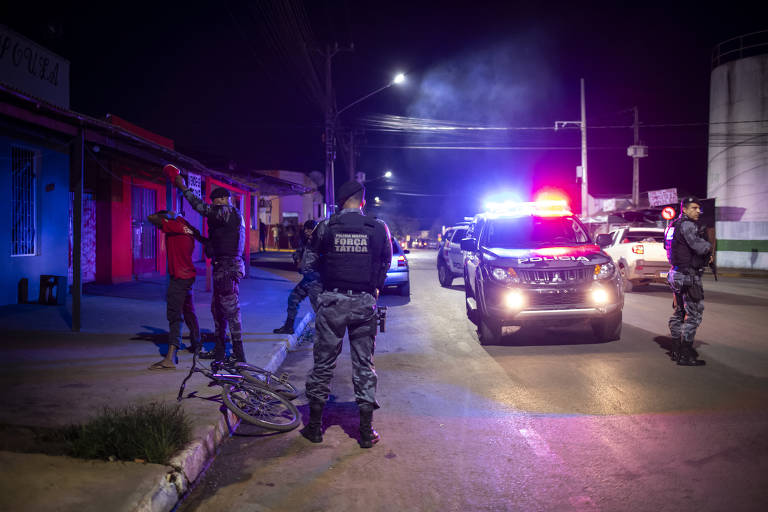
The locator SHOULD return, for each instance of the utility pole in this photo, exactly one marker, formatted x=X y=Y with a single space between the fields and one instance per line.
x=636 y=151
x=581 y=171
x=329 y=130
x=584 y=188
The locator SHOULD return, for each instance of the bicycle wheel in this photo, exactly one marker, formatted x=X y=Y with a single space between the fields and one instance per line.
x=260 y=406
x=264 y=378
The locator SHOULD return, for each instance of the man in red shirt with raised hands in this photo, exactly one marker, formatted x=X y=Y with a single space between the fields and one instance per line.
x=180 y=238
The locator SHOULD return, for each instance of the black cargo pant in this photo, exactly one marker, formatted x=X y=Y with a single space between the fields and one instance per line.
x=338 y=313
x=180 y=304
x=225 y=305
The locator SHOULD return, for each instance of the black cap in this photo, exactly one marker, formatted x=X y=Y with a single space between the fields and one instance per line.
x=220 y=192
x=310 y=224
x=347 y=190
x=688 y=200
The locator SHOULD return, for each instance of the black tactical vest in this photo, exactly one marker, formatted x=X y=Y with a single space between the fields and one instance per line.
x=679 y=254
x=227 y=233
x=351 y=253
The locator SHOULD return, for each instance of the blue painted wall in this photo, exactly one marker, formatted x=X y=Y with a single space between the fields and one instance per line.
x=52 y=221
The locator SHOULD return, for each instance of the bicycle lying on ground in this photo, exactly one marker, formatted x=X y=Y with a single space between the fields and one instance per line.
x=248 y=392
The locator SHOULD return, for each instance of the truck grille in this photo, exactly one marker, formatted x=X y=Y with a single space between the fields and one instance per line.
x=570 y=275
x=557 y=298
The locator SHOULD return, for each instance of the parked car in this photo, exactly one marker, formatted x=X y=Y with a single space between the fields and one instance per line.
x=639 y=254
x=450 y=258
x=398 y=275
x=537 y=264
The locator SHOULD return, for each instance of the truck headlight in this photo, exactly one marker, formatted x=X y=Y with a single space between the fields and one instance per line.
x=504 y=275
x=599 y=296
x=605 y=271
x=514 y=300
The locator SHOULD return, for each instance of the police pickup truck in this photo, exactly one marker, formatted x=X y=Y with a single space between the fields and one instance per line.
x=530 y=263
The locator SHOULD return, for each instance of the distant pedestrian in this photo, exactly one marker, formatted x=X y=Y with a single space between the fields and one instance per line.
x=262 y=237
x=688 y=253
x=309 y=286
x=180 y=238
x=276 y=235
x=226 y=231
x=352 y=252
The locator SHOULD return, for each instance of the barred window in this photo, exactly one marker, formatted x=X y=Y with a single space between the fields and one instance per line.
x=24 y=203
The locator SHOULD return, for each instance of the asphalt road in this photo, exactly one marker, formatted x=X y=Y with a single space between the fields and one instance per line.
x=547 y=420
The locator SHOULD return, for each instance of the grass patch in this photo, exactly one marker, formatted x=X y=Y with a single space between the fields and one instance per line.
x=153 y=432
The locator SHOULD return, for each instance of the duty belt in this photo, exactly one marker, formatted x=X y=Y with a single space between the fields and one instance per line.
x=347 y=292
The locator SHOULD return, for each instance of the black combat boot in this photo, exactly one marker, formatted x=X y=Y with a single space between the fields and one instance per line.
x=238 y=352
x=368 y=436
x=688 y=356
x=287 y=327
x=313 y=430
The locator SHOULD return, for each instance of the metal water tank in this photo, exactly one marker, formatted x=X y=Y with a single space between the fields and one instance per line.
x=738 y=150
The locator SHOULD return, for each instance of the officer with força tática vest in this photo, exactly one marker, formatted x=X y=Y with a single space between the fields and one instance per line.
x=352 y=253
x=226 y=234
x=688 y=253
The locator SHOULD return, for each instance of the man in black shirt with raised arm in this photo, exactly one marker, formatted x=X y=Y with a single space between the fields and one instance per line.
x=352 y=253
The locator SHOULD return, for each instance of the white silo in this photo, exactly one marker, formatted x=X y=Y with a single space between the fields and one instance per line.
x=738 y=150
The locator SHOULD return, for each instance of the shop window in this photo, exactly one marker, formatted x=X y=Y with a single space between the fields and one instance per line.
x=24 y=202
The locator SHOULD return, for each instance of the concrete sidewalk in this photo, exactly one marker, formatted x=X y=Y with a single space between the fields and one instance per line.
x=53 y=377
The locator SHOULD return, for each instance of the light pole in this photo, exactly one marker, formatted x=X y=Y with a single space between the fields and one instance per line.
x=582 y=170
x=331 y=120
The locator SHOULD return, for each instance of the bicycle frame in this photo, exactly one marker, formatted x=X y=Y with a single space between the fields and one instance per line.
x=216 y=378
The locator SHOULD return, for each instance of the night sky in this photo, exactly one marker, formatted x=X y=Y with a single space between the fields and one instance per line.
x=225 y=80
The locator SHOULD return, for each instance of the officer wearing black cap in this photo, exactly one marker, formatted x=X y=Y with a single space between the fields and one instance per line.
x=352 y=253
x=309 y=286
x=226 y=233
x=688 y=253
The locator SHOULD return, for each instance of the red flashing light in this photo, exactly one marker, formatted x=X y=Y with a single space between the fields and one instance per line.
x=579 y=250
x=638 y=249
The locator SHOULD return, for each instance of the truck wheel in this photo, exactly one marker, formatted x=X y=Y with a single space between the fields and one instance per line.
x=489 y=332
x=444 y=275
x=625 y=282
x=607 y=328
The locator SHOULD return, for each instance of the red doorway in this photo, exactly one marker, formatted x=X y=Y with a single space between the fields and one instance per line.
x=144 y=234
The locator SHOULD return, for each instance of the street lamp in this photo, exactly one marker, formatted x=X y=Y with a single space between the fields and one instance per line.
x=330 y=142
x=387 y=175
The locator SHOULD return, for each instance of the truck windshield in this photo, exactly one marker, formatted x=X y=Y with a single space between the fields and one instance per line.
x=531 y=232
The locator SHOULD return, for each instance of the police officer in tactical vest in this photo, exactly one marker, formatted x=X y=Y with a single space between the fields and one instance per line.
x=226 y=233
x=688 y=253
x=352 y=253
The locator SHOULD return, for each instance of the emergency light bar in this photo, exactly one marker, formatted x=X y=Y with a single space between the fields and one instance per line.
x=544 y=208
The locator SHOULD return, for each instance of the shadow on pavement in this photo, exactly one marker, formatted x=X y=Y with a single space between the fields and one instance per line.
x=344 y=414
x=581 y=334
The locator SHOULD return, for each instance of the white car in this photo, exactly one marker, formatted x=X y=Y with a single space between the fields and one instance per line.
x=639 y=254
x=450 y=258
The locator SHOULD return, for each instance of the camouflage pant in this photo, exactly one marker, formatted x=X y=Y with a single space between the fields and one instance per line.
x=225 y=305
x=310 y=287
x=688 y=312
x=336 y=314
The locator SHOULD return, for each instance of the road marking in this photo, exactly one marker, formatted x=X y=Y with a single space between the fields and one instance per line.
x=537 y=444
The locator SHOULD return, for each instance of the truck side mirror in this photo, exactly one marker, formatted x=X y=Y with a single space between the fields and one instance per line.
x=603 y=239
x=468 y=244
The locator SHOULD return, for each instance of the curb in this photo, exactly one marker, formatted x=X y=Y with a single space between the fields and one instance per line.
x=189 y=464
